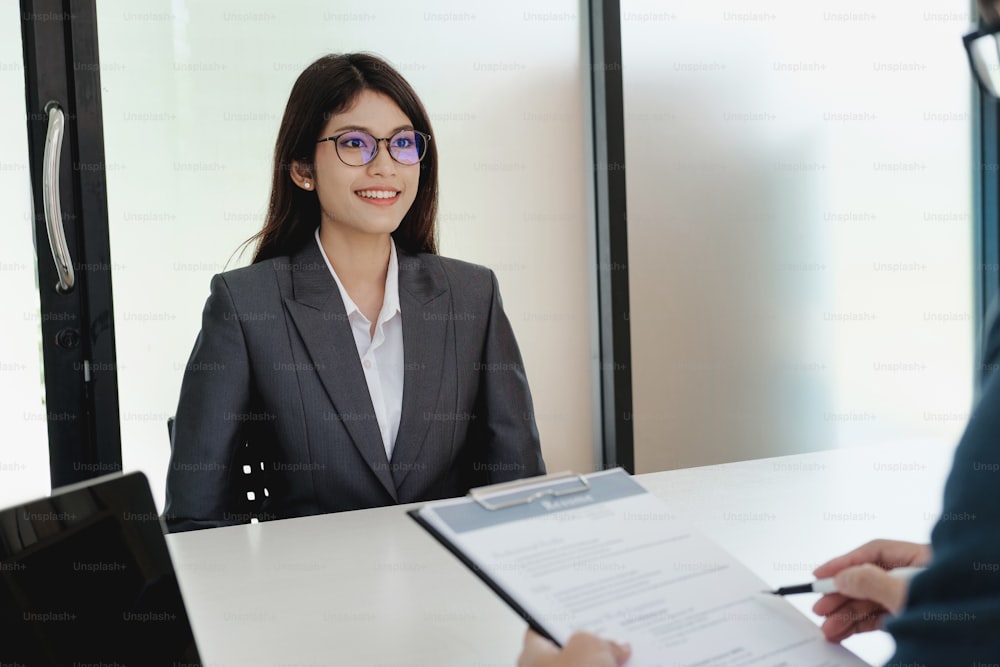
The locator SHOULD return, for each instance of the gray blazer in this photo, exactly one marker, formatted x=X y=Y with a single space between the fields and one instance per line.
x=276 y=365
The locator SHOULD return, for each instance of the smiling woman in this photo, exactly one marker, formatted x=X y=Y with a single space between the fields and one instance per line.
x=362 y=368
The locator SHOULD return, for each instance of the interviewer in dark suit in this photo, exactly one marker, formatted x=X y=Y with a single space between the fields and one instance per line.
x=366 y=369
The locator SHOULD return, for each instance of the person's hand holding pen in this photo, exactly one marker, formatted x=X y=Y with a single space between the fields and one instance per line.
x=865 y=591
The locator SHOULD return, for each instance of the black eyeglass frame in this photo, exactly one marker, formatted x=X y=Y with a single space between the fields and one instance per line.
x=967 y=41
x=336 y=146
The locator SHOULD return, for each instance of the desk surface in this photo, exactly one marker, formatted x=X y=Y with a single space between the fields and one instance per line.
x=371 y=588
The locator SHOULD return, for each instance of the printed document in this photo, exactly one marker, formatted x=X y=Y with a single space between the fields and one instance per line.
x=602 y=554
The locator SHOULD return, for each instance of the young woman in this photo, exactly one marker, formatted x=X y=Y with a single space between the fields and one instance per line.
x=349 y=366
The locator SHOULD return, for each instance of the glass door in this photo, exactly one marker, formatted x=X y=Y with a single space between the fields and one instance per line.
x=24 y=451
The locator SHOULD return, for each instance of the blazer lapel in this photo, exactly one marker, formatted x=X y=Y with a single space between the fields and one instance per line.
x=318 y=312
x=426 y=312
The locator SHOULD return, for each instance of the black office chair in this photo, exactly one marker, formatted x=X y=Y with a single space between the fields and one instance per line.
x=251 y=490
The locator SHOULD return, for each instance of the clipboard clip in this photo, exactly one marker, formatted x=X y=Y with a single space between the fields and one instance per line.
x=482 y=493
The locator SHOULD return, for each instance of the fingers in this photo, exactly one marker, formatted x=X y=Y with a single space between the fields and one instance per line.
x=621 y=653
x=537 y=651
x=870 y=582
x=863 y=554
x=582 y=650
x=865 y=594
x=852 y=617
x=829 y=603
x=887 y=554
x=587 y=650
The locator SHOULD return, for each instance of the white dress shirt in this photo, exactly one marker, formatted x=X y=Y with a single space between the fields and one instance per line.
x=382 y=354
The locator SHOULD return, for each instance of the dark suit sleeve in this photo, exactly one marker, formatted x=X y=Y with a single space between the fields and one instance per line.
x=505 y=414
x=952 y=615
x=989 y=349
x=215 y=393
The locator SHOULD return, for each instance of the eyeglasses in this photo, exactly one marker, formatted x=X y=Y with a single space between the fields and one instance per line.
x=983 y=49
x=357 y=148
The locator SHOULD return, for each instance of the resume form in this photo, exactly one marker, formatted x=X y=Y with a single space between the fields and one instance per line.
x=600 y=553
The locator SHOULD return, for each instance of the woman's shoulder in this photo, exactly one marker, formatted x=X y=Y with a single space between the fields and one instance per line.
x=448 y=265
x=468 y=283
x=255 y=278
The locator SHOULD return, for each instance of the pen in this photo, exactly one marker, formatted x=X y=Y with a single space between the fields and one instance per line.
x=827 y=585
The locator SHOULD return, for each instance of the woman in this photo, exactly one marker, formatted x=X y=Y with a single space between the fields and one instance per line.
x=350 y=365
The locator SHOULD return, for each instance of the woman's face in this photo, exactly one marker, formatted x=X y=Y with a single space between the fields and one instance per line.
x=373 y=198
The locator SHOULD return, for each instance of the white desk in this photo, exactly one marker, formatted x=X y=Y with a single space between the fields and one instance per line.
x=371 y=588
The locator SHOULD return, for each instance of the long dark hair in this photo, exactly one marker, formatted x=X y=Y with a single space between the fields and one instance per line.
x=327 y=87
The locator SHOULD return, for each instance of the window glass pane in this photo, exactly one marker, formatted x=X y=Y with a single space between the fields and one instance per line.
x=799 y=199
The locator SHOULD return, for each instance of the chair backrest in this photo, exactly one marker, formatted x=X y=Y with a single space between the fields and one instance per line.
x=251 y=487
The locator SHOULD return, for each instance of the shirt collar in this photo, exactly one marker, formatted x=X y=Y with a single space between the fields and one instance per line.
x=390 y=301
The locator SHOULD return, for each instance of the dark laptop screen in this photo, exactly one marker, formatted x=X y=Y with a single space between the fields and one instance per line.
x=86 y=578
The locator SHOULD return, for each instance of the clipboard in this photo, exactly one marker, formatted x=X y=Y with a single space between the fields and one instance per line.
x=518 y=492
x=599 y=552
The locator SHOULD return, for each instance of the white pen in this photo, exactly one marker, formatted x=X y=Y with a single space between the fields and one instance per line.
x=827 y=585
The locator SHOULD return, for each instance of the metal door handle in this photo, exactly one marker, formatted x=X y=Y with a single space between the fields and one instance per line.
x=50 y=198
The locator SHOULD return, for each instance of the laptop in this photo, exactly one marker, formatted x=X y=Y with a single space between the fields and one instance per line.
x=86 y=578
